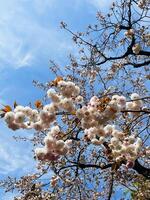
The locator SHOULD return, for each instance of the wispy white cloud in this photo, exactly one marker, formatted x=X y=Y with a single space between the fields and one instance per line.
x=24 y=36
x=11 y=51
x=26 y=30
x=13 y=160
x=99 y=4
x=42 y=5
x=25 y=60
x=13 y=155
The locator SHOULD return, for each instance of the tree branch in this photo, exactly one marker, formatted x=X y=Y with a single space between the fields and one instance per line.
x=142 y=170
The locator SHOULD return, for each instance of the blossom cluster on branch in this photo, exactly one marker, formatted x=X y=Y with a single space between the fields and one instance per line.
x=143 y=3
x=96 y=122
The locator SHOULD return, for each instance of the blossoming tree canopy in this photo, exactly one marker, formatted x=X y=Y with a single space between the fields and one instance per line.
x=95 y=119
x=92 y=130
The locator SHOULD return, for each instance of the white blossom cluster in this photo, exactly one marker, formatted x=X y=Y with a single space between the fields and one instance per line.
x=123 y=146
x=69 y=95
x=129 y=33
x=143 y=3
x=20 y=117
x=146 y=37
x=91 y=116
x=94 y=118
x=53 y=147
x=27 y=118
x=135 y=105
x=136 y=48
x=93 y=121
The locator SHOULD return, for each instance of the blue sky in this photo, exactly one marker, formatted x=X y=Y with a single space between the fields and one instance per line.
x=30 y=36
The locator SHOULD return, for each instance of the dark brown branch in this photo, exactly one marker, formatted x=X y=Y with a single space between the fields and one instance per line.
x=83 y=166
x=137 y=65
x=137 y=167
x=142 y=170
x=144 y=111
x=111 y=186
x=144 y=53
